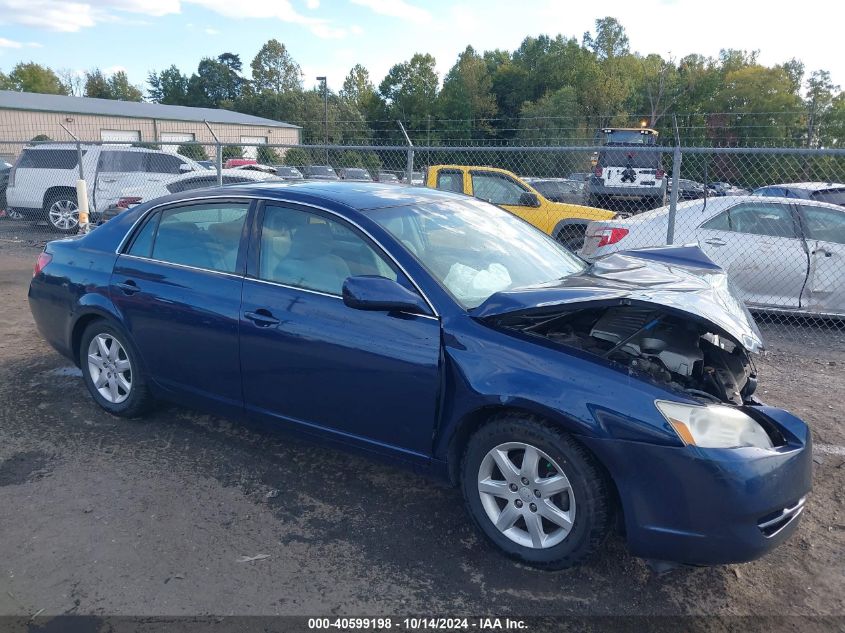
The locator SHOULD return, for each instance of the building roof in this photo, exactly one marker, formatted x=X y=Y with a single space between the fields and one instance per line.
x=32 y=101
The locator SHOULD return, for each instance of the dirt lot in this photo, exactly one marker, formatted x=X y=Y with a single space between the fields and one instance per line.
x=107 y=516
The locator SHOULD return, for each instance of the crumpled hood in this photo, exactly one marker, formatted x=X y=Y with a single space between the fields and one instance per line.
x=682 y=279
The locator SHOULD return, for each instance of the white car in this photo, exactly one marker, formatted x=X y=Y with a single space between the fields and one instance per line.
x=42 y=183
x=784 y=255
x=136 y=193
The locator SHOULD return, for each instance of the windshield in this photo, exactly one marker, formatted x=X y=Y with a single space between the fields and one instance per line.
x=474 y=249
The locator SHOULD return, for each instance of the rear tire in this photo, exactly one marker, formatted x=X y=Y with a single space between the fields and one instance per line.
x=565 y=486
x=112 y=372
x=62 y=212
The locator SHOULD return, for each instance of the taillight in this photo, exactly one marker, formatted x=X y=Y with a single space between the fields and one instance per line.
x=128 y=201
x=41 y=263
x=608 y=235
x=598 y=171
x=660 y=173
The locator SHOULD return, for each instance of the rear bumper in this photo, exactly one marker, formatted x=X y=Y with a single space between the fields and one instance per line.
x=710 y=506
x=630 y=193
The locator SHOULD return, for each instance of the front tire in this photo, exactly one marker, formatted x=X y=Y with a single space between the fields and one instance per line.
x=112 y=372
x=555 y=520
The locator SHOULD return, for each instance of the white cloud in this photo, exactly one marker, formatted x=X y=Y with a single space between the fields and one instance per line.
x=4 y=43
x=210 y=31
x=396 y=9
x=356 y=30
x=312 y=4
x=271 y=9
x=53 y=15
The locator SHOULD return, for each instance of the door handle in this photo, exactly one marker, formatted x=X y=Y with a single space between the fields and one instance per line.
x=128 y=287
x=108 y=179
x=715 y=241
x=262 y=318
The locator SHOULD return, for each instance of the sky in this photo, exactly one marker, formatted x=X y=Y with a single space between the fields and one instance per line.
x=327 y=37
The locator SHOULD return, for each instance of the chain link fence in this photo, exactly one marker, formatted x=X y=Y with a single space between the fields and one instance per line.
x=774 y=218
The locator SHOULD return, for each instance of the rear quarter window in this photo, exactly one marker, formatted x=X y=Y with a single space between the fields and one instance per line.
x=49 y=159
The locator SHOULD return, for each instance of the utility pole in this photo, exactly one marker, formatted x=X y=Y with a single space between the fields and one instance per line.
x=326 y=119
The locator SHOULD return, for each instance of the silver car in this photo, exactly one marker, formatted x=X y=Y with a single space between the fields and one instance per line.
x=783 y=255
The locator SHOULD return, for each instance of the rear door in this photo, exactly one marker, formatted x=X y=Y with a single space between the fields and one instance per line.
x=178 y=287
x=116 y=170
x=825 y=230
x=759 y=245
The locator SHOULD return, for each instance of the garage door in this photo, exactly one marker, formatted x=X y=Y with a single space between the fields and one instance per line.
x=251 y=151
x=124 y=136
x=175 y=137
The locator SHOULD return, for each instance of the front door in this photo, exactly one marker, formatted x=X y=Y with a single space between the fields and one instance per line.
x=760 y=247
x=308 y=359
x=178 y=287
x=825 y=229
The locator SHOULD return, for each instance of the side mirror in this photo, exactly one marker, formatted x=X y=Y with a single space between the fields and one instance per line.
x=185 y=168
x=528 y=199
x=374 y=293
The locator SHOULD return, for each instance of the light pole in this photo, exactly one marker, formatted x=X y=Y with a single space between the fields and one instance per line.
x=326 y=120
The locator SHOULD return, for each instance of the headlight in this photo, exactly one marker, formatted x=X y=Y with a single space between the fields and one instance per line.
x=713 y=426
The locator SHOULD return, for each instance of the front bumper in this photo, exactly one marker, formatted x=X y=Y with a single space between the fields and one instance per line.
x=710 y=506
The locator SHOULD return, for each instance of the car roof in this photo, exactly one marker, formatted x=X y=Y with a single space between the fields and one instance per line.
x=357 y=195
x=809 y=186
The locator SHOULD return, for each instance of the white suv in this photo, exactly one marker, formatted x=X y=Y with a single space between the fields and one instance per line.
x=42 y=184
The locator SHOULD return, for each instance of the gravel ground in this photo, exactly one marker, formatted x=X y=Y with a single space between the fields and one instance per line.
x=106 y=516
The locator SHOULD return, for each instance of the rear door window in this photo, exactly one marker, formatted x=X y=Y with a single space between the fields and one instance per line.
x=122 y=162
x=206 y=236
x=773 y=220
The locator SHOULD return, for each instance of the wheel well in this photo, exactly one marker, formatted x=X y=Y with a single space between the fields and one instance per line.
x=58 y=191
x=475 y=420
x=76 y=334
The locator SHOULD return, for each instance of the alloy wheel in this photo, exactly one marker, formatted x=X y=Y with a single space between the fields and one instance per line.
x=110 y=369
x=526 y=495
x=64 y=215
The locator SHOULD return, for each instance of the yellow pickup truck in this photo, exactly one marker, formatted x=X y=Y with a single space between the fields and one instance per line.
x=565 y=222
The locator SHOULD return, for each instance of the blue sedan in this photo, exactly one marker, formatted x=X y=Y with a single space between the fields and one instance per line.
x=564 y=399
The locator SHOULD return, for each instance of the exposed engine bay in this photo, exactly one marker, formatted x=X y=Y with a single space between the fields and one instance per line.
x=679 y=351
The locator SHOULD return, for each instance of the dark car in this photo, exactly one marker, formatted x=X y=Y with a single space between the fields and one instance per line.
x=5 y=168
x=819 y=191
x=288 y=173
x=688 y=189
x=386 y=176
x=319 y=172
x=447 y=334
x=355 y=174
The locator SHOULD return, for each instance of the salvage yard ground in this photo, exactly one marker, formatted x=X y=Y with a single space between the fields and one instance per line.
x=185 y=513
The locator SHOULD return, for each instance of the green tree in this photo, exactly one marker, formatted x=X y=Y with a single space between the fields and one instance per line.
x=169 y=86
x=191 y=150
x=232 y=151
x=410 y=90
x=116 y=86
x=297 y=157
x=350 y=158
x=215 y=84
x=467 y=98
x=32 y=77
x=610 y=40
x=820 y=95
x=268 y=156
x=371 y=162
x=274 y=70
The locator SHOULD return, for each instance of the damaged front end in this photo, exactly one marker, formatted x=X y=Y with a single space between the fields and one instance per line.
x=668 y=315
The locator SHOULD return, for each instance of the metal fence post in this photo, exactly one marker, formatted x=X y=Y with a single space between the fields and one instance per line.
x=81 y=187
x=676 y=177
x=409 y=164
x=218 y=160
